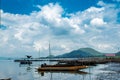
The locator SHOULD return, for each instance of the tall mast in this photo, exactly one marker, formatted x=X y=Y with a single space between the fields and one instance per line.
x=39 y=53
x=50 y=59
x=39 y=56
x=49 y=51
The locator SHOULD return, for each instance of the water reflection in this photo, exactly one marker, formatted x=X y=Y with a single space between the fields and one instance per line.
x=64 y=72
x=51 y=76
x=55 y=75
x=89 y=74
x=52 y=73
x=28 y=72
x=28 y=67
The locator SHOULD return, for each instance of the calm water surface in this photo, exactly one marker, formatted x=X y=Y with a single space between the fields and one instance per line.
x=11 y=69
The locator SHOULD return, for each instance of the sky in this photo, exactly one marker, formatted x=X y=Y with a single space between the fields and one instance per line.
x=27 y=27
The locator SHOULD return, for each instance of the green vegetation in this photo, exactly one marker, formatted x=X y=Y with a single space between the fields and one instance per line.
x=118 y=53
x=91 y=51
x=82 y=52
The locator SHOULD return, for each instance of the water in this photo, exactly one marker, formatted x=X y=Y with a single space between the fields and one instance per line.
x=11 y=69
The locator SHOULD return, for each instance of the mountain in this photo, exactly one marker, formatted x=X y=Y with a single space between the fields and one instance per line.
x=92 y=51
x=50 y=56
x=82 y=52
x=5 y=58
x=118 y=53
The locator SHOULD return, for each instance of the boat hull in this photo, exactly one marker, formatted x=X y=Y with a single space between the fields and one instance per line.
x=71 y=68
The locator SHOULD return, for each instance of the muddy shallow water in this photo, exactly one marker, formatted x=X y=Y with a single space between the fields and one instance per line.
x=112 y=72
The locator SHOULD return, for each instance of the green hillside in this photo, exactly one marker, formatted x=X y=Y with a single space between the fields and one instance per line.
x=118 y=53
x=82 y=52
x=91 y=51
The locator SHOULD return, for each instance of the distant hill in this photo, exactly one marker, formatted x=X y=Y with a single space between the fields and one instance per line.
x=82 y=52
x=93 y=52
x=5 y=58
x=50 y=56
x=118 y=53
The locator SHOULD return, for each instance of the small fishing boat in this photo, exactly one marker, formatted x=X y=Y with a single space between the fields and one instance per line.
x=67 y=68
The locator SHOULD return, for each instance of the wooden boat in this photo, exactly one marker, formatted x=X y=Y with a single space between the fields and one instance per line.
x=68 y=68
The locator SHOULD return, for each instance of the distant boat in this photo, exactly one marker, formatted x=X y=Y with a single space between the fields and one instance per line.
x=25 y=62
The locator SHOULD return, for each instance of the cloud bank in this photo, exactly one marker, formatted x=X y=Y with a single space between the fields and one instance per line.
x=95 y=27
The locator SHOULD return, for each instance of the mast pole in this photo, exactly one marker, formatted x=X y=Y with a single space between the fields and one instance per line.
x=39 y=56
x=49 y=60
x=49 y=51
x=39 y=53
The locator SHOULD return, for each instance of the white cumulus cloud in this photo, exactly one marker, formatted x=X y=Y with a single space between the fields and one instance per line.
x=94 y=27
x=97 y=22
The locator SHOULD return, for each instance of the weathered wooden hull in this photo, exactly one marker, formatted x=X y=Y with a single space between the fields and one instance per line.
x=70 y=68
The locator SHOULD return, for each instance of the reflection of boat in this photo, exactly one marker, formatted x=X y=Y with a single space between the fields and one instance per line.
x=71 y=72
x=68 y=68
x=68 y=72
x=6 y=79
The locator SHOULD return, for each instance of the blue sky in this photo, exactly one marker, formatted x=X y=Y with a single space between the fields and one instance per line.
x=26 y=7
x=27 y=27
